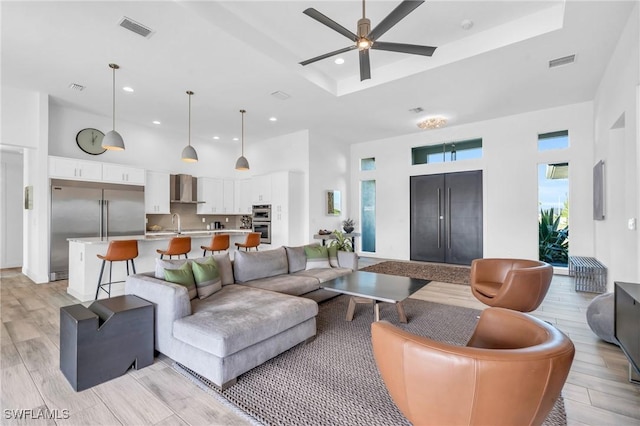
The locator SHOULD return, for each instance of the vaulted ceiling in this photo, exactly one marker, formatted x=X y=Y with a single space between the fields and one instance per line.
x=236 y=54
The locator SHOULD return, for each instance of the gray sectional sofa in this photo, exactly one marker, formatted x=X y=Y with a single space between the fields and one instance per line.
x=257 y=314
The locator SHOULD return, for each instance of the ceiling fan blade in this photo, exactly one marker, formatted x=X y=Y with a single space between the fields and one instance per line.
x=327 y=55
x=311 y=12
x=402 y=10
x=413 y=49
x=365 y=66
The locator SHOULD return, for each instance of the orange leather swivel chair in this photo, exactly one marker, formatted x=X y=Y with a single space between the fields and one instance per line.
x=219 y=242
x=177 y=247
x=517 y=284
x=252 y=241
x=117 y=251
x=510 y=373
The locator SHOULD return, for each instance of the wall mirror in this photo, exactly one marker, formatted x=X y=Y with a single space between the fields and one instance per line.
x=334 y=203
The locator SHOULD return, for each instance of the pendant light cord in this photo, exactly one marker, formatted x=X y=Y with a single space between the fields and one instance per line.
x=189 y=118
x=242 y=134
x=114 y=98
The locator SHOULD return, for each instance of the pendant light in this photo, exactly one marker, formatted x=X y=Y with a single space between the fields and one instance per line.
x=189 y=153
x=242 y=163
x=112 y=140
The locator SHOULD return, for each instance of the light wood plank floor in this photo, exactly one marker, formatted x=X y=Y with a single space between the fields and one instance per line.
x=597 y=391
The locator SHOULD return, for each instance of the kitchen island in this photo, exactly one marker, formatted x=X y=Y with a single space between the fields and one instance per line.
x=84 y=266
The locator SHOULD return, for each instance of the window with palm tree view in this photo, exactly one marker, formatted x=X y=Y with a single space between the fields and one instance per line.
x=553 y=205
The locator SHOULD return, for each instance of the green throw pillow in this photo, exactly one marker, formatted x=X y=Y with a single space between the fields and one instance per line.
x=333 y=256
x=317 y=257
x=183 y=276
x=207 y=277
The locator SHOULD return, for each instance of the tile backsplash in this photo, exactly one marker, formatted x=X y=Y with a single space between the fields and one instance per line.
x=189 y=220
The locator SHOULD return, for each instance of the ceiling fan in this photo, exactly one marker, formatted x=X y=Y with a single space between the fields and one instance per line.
x=368 y=39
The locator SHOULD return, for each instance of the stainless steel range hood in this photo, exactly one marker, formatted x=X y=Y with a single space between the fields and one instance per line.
x=184 y=189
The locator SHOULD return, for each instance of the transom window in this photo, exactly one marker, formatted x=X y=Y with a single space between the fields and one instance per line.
x=451 y=151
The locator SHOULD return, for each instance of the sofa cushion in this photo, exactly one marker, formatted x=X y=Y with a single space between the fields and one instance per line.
x=215 y=324
x=249 y=266
x=207 y=277
x=183 y=276
x=296 y=258
x=317 y=257
x=223 y=261
x=323 y=274
x=333 y=256
x=287 y=284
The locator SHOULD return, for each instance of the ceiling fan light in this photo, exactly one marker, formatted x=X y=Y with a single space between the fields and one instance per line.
x=189 y=154
x=113 y=141
x=242 y=164
x=364 y=43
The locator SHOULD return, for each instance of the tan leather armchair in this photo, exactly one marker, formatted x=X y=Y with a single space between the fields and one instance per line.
x=517 y=284
x=510 y=373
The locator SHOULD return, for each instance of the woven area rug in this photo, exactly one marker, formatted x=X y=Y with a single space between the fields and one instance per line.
x=456 y=274
x=333 y=380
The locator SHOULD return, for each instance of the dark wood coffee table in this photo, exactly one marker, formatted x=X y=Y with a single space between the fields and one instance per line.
x=370 y=287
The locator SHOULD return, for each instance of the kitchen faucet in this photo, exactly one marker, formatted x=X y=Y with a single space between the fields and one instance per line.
x=173 y=216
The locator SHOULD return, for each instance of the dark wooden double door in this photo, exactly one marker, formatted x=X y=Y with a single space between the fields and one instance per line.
x=446 y=217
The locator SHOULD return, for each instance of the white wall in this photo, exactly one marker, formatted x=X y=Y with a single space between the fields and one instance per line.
x=510 y=183
x=329 y=170
x=616 y=142
x=11 y=206
x=152 y=148
x=19 y=117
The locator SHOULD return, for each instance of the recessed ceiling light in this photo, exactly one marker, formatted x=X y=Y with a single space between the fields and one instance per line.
x=281 y=95
x=127 y=89
x=273 y=119
x=156 y=122
x=236 y=139
x=339 y=61
x=466 y=24
x=216 y=137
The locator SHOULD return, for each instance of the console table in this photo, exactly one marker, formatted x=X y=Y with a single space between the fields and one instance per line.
x=627 y=321
x=103 y=341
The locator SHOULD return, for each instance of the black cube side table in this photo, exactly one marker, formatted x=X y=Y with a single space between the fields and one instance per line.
x=103 y=341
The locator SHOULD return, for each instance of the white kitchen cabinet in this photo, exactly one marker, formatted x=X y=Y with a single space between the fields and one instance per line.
x=287 y=209
x=261 y=189
x=122 y=174
x=228 y=196
x=157 y=193
x=70 y=168
x=243 y=196
x=211 y=191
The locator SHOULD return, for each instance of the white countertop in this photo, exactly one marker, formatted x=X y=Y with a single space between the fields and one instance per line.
x=161 y=235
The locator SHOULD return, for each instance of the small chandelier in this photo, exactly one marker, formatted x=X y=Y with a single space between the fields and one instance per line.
x=189 y=154
x=112 y=140
x=432 y=123
x=242 y=163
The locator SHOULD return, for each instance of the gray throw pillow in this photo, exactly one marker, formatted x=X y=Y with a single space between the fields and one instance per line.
x=296 y=258
x=162 y=264
x=249 y=266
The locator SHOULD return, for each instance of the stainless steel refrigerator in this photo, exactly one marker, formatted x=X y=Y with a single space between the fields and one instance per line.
x=86 y=209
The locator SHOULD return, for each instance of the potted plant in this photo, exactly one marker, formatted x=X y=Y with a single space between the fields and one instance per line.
x=348 y=224
x=341 y=242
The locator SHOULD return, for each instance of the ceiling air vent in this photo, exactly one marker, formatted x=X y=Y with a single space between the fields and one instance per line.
x=566 y=60
x=416 y=110
x=76 y=86
x=281 y=95
x=136 y=27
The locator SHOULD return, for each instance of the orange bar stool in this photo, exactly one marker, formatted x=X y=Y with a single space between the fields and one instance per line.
x=177 y=246
x=219 y=242
x=252 y=241
x=118 y=251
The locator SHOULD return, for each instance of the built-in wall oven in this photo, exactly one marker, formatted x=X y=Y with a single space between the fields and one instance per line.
x=261 y=222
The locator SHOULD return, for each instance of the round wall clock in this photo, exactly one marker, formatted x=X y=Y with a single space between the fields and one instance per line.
x=90 y=141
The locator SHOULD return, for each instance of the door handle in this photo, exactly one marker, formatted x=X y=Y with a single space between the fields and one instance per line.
x=101 y=212
x=449 y=217
x=106 y=222
x=439 y=217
